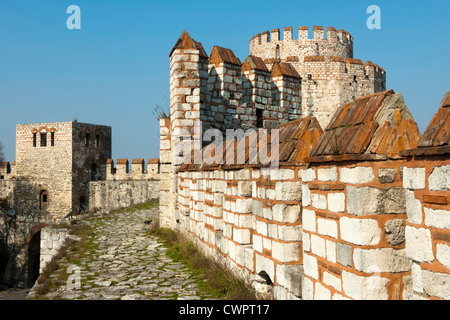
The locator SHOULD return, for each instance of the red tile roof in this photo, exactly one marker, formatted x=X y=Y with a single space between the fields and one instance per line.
x=436 y=139
x=219 y=54
x=374 y=126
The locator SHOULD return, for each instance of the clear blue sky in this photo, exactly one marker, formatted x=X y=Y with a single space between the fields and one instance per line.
x=116 y=68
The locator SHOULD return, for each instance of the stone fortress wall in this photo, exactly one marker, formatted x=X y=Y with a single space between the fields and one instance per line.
x=339 y=219
x=368 y=225
x=331 y=76
x=62 y=169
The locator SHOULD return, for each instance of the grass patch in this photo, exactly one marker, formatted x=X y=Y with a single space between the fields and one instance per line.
x=212 y=278
x=83 y=247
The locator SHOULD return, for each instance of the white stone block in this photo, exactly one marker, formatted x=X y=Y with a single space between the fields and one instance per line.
x=261 y=227
x=307 y=289
x=443 y=254
x=319 y=201
x=360 y=231
x=436 y=284
x=290 y=233
x=416 y=273
x=331 y=251
x=267 y=244
x=381 y=260
x=306 y=196
x=242 y=236
x=310 y=266
x=249 y=262
x=231 y=249
x=308 y=175
x=321 y=293
x=439 y=179
x=318 y=246
x=327 y=227
x=357 y=175
x=288 y=191
x=413 y=208
x=257 y=243
x=332 y=281
x=336 y=202
x=419 y=244
x=290 y=277
x=357 y=287
x=413 y=178
x=327 y=174
x=309 y=220
x=437 y=218
x=286 y=252
x=243 y=205
x=282 y=174
x=264 y=264
x=273 y=231
x=306 y=242
x=286 y=213
x=245 y=188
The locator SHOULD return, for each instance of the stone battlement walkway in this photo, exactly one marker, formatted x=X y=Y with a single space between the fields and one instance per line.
x=123 y=262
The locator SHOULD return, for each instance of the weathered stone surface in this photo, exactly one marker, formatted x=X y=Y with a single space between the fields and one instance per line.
x=327 y=174
x=443 y=254
x=439 y=179
x=437 y=218
x=126 y=264
x=386 y=175
x=436 y=284
x=290 y=276
x=360 y=231
x=364 y=288
x=413 y=208
x=414 y=178
x=286 y=213
x=419 y=244
x=336 y=202
x=395 y=232
x=310 y=266
x=288 y=191
x=370 y=200
x=381 y=260
x=344 y=254
x=357 y=175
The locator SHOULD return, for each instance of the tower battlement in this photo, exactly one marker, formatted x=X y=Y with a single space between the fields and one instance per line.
x=269 y=45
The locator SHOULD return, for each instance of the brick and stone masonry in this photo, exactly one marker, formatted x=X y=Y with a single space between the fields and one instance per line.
x=335 y=223
x=62 y=168
x=426 y=180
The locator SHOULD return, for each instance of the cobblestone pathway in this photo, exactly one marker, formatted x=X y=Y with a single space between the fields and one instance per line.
x=124 y=263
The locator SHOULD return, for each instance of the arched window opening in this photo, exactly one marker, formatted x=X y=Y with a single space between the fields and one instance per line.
x=43 y=200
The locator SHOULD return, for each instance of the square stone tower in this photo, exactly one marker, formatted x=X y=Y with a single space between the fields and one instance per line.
x=55 y=163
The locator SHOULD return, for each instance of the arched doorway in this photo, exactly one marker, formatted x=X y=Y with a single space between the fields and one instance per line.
x=34 y=258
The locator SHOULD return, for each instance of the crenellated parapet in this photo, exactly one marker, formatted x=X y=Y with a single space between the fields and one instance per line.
x=269 y=45
x=138 y=170
x=5 y=171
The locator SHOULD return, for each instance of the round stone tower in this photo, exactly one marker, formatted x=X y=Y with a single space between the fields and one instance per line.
x=331 y=77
